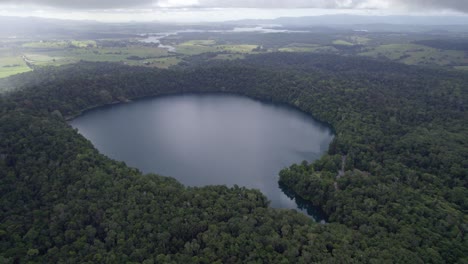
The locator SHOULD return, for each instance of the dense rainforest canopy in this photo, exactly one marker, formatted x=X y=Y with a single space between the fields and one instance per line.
x=393 y=184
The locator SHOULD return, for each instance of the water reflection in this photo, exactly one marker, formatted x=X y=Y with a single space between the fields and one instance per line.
x=305 y=206
x=209 y=139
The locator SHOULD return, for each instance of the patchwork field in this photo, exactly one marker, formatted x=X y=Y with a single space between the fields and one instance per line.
x=195 y=47
x=463 y=68
x=55 y=53
x=22 y=55
x=418 y=55
x=342 y=42
x=11 y=65
x=300 y=47
x=132 y=52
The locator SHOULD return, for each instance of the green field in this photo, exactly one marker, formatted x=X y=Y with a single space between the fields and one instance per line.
x=203 y=42
x=112 y=54
x=56 y=53
x=417 y=55
x=195 y=47
x=11 y=63
x=59 y=53
x=237 y=48
x=60 y=44
x=463 y=68
x=132 y=52
x=43 y=59
x=299 y=47
x=47 y=45
x=342 y=42
x=84 y=43
x=359 y=40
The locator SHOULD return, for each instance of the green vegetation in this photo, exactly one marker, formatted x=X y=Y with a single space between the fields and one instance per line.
x=44 y=59
x=47 y=44
x=11 y=65
x=360 y=40
x=57 y=53
x=297 y=47
x=130 y=52
x=414 y=49
x=229 y=56
x=109 y=54
x=414 y=54
x=84 y=43
x=342 y=42
x=393 y=183
x=60 y=44
x=445 y=44
x=163 y=62
x=206 y=42
x=195 y=47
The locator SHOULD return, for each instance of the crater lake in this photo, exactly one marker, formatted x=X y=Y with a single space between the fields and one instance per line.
x=209 y=139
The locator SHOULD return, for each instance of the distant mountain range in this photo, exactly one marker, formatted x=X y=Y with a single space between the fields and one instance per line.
x=30 y=27
x=35 y=27
x=360 y=20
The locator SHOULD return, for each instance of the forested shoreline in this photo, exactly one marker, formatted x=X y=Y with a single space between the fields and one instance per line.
x=401 y=198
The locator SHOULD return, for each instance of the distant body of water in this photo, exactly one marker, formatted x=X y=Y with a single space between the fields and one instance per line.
x=208 y=139
x=157 y=37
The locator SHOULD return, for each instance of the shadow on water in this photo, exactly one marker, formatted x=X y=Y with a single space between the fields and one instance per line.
x=304 y=206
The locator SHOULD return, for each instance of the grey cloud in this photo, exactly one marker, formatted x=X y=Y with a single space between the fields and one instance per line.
x=83 y=4
x=458 y=5
x=331 y=4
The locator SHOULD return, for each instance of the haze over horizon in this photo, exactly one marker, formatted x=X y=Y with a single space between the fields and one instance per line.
x=222 y=10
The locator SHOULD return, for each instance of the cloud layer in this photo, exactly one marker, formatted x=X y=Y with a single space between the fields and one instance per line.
x=457 y=5
x=82 y=4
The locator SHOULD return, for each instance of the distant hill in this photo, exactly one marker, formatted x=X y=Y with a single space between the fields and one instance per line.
x=452 y=23
x=34 y=26
x=360 y=19
x=46 y=28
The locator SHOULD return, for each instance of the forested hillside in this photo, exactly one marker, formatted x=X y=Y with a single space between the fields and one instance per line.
x=393 y=184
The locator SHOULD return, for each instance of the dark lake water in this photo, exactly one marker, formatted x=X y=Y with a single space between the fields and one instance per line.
x=209 y=139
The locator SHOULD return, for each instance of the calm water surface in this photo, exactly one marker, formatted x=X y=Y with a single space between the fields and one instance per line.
x=208 y=139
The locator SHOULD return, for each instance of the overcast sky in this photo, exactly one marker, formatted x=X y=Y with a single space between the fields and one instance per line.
x=215 y=10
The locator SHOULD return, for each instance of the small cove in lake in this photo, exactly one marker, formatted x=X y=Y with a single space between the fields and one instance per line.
x=209 y=139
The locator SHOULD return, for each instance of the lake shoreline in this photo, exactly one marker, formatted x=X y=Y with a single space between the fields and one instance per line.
x=279 y=110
